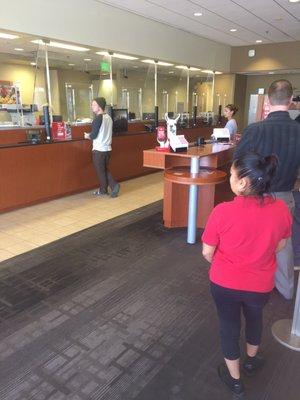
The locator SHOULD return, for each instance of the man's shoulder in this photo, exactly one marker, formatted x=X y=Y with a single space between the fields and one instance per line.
x=255 y=125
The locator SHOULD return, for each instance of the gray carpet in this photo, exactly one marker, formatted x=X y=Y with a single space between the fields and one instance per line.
x=122 y=311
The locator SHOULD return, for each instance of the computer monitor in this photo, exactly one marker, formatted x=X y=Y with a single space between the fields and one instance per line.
x=148 y=116
x=33 y=136
x=120 y=120
x=55 y=118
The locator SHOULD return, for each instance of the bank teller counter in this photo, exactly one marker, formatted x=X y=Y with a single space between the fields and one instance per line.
x=41 y=171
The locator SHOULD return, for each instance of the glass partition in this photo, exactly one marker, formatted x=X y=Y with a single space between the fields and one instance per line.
x=79 y=97
x=75 y=77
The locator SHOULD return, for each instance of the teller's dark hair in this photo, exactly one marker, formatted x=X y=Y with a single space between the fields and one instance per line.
x=232 y=108
x=259 y=170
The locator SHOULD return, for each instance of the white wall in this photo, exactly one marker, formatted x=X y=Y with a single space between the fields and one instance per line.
x=89 y=22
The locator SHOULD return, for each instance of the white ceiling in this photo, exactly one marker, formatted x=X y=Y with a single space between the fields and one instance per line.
x=271 y=21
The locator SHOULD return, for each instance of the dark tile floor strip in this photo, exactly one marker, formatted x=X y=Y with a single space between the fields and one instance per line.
x=122 y=311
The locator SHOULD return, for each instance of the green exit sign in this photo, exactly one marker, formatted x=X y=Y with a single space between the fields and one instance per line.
x=104 y=66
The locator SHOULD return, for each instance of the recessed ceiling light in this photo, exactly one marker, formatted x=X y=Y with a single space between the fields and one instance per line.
x=218 y=73
x=18 y=49
x=271 y=72
x=116 y=55
x=197 y=14
x=207 y=71
x=61 y=45
x=294 y=1
x=171 y=72
x=233 y=30
x=87 y=59
x=71 y=65
x=32 y=63
x=258 y=41
x=7 y=36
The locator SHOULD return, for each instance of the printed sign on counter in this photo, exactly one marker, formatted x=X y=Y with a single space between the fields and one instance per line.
x=60 y=131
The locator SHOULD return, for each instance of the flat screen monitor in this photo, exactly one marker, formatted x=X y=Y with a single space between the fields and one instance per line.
x=56 y=118
x=148 y=116
x=33 y=136
x=120 y=120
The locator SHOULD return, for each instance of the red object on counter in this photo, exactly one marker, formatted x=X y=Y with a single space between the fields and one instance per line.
x=59 y=131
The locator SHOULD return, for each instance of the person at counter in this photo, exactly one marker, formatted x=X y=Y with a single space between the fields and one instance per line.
x=229 y=111
x=278 y=134
x=101 y=136
x=240 y=241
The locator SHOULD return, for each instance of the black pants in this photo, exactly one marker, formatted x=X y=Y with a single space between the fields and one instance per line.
x=101 y=161
x=229 y=305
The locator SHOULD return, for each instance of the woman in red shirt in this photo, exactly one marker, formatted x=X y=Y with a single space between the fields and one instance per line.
x=240 y=240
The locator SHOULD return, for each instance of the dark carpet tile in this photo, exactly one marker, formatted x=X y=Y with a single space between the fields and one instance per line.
x=121 y=311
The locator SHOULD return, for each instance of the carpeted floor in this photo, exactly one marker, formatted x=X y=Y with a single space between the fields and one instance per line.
x=122 y=311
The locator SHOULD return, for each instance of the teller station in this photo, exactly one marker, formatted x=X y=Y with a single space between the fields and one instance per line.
x=37 y=172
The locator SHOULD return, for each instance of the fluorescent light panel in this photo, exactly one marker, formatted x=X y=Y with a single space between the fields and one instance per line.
x=18 y=49
x=61 y=45
x=185 y=67
x=8 y=36
x=165 y=64
x=207 y=71
x=117 y=55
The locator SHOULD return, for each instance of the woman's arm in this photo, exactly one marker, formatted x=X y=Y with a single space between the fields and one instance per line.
x=281 y=245
x=208 y=252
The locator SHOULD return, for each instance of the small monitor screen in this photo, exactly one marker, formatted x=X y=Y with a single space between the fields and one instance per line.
x=148 y=116
x=120 y=120
x=56 y=118
x=33 y=136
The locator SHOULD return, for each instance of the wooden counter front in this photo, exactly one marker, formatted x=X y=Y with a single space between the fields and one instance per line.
x=176 y=196
x=40 y=172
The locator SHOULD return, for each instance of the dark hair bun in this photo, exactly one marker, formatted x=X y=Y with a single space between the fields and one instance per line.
x=258 y=169
x=232 y=108
x=271 y=165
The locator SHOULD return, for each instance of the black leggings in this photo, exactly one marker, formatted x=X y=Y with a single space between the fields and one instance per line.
x=229 y=303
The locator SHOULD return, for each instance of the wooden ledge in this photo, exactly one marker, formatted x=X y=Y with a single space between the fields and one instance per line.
x=206 y=176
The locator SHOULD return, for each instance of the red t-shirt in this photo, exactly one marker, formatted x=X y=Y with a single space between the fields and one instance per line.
x=246 y=233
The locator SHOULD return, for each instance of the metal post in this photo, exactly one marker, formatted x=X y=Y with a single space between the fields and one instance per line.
x=187 y=89
x=48 y=83
x=111 y=81
x=287 y=331
x=155 y=84
x=141 y=103
x=213 y=92
x=193 y=204
x=74 y=104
